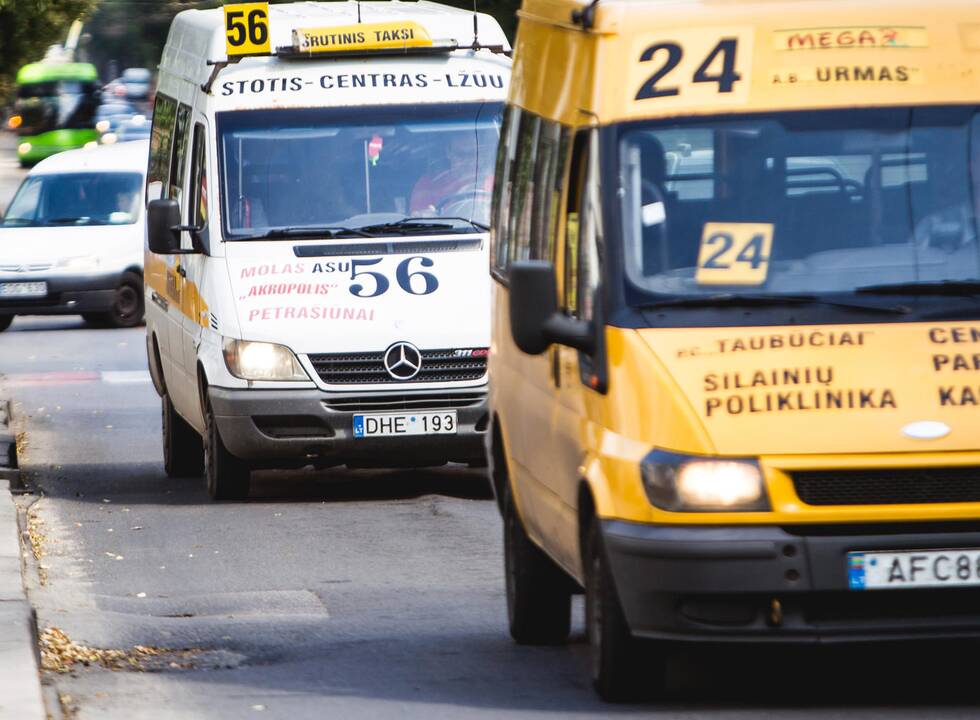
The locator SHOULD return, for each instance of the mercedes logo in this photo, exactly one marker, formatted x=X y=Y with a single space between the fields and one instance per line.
x=403 y=361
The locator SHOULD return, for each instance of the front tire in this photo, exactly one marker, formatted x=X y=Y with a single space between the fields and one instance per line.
x=539 y=594
x=127 y=304
x=5 y=321
x=228 y=477
x=620 y=671
x=183 y=448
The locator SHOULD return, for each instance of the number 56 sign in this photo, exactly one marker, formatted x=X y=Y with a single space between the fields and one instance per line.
x=247 y=29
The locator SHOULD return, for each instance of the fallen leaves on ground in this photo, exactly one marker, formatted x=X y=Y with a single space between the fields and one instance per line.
x=35 y=533
x=60 y=654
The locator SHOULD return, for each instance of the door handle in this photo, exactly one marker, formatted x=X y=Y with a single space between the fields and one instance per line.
x=181 y=271
x=556 y=366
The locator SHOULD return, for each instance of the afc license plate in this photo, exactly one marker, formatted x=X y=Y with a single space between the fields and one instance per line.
x=913 y=569
x=427 y=423
x=31 y=289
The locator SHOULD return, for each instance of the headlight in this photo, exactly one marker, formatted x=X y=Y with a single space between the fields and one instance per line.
x=262 y=361
x=109 y=138
x=685 y=483
x=103 y=125
x=82 y=263
x=24 y=148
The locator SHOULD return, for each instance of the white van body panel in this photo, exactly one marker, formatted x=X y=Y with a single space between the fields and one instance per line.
x=262 y=290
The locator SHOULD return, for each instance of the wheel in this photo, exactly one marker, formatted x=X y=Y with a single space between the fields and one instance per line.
x=183 y=449
x=620 y=671
x=127 y=304
x=539 y=594
x=227 y=477
x=5 y=321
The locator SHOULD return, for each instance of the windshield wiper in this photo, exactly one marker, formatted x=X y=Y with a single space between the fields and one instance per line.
x=774 y=299
x=330 y=231
x=935 y=287
x=423 y=224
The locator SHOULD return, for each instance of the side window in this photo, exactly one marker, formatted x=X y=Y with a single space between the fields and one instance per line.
x=503 y=187
x=582 y=233
x=198 y=208
x=523 y=187
x=161 y=146
x=552 y=150
x=178 y=163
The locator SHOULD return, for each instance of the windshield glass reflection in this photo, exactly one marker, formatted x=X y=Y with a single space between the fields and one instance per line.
x=807 y=202
x=357 y=167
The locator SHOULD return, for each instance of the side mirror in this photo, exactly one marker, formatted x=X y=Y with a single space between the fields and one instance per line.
x=535 y=321
x=162 y=216
x=163 y=228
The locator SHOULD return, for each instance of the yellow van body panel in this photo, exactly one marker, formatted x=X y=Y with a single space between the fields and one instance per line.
x=791 y=56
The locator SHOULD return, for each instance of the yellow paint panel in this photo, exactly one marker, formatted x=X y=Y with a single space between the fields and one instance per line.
x=247 y=29
x=373 y=36
x=867 y=37
x=734 y=254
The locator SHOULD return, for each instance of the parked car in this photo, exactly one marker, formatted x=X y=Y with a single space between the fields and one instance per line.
x=110 y=114
x=136 y=127
x=138 y=83
x=71 y=241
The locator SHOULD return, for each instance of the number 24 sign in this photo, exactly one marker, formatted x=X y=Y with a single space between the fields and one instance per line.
x=734 y=254
x=694 y=67
x=247 y=29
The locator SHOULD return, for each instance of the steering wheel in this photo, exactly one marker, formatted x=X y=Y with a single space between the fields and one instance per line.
x=475 y=195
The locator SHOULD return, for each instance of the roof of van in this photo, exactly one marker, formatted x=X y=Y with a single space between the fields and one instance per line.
x=197 y=36
x=126 y=156
x=646 y=59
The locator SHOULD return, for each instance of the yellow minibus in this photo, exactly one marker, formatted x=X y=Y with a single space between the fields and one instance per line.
x=735 y=373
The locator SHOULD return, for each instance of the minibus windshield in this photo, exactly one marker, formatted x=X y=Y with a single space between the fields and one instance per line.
x=83 y=198
x=286 y=171
x=874 y=201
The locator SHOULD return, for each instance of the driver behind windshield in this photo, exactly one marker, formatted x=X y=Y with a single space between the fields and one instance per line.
x=466 y=172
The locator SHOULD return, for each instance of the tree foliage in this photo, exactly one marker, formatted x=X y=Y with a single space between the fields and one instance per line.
x=28 y=27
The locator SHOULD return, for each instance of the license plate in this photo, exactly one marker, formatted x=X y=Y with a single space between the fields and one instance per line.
x=427 y=423
x=30 y=289
x=913 y=569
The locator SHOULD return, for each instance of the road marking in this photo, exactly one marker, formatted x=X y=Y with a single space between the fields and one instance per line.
x=112 y=377
x=119 y=377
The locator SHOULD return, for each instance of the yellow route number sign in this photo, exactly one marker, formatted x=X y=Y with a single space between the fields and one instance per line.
x=734 y=254
x=247 y=29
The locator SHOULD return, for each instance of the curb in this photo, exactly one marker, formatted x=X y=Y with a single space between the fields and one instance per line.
x=20 y=680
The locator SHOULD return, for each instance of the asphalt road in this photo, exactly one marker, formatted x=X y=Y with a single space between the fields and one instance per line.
x=337 y=594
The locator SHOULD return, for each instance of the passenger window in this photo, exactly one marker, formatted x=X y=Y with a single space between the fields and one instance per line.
x=523 y=188
x=161 y=146
x=552 y=151
x=178 y=162
x=198 y=210
x=503 y=189
x=582 y=232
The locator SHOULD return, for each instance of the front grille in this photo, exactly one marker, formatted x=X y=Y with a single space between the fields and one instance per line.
x=394 y=403
x=888 y=487
x=366 y=368
x=31 y=267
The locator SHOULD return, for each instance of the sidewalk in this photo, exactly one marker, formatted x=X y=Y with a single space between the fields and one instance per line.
x=20 y=683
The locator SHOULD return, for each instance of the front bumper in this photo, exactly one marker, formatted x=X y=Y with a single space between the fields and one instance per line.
x=779 y=583
x=290 y=428
x=67 y=295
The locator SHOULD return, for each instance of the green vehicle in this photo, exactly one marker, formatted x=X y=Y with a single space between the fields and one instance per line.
x=55 y=108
